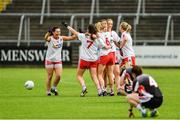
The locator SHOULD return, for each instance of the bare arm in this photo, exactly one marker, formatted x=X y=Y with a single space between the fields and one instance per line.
x=122 y=78
x=73 y=37
x=124 y=40
x=73 y=31
x=117 y=44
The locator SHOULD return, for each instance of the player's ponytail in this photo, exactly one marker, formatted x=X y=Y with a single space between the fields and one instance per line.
x=126 y=27
x=93 y=31
x=98 y=26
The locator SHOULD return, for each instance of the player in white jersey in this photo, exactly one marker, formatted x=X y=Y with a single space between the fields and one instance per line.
x=53 y=61
x=115 y=40
x=88 y=58
x=126 y=45
x=106 y=58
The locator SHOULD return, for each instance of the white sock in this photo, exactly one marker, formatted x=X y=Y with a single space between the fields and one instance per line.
x=102 y=88
x=83 y=87
x=154 y=110
x=99 y=91
x=139 y=107
x=54 y=87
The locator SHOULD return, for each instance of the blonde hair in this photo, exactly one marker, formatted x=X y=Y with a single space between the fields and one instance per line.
x=126 y=27
x=98 y=26
x=109 y=20
x=103 y=20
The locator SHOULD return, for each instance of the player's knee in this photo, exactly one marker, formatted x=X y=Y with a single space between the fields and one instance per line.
x=129 y=97
x=116 y=73
x=78 y=76
x=94 y=76
x=58 y=76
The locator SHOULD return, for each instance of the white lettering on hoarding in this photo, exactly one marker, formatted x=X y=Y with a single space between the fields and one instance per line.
x=65 y=55
x=28 y=55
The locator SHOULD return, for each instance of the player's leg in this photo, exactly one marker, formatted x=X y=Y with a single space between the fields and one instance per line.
x=105 y=77
x=80 y=78
x=49 y=70
x=116 y=71
x=133 y=99
x=155 y=103
x=58 y=73
x=93 y=73
x=101 y=68
x=154 y=112
x=111 y=80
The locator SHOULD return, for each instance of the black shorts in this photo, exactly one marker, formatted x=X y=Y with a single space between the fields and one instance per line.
x=155 y=102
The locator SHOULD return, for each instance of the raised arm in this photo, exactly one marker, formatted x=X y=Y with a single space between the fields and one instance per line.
x=73 y=31
x=73 y=37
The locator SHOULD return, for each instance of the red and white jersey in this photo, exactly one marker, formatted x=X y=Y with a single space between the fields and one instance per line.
x=54 y=53
x=114 y=38
x=127 y=49
x=105 y=39
x=89 y=48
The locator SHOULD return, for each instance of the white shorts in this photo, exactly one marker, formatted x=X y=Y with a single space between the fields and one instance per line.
x=50 y=64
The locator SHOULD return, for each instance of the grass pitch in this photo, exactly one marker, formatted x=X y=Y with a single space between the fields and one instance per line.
x=18 y=103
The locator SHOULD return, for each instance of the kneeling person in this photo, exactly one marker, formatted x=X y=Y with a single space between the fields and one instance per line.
x=146 y=94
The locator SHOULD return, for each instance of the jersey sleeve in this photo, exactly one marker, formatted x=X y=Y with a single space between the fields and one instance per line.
x=81 y=36
x=115 y=36
x=135 y=85
x=101 y=43
x=123 y=75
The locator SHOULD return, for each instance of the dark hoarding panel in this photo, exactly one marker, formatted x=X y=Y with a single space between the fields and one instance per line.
x=30 y=55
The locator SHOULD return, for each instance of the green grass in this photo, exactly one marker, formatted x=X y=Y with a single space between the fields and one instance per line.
x=18 y=103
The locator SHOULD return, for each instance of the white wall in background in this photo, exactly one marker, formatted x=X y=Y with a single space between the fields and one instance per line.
x=157 y=55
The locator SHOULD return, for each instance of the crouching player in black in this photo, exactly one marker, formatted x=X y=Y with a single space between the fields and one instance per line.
x=145 y=94
x=126 y=79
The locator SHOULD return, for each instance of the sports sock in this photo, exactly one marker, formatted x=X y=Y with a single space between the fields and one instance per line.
x=139 y=107
x=54 y=87
x=153 y=110
x=99 y=91
x=83 y=87
x=111 y=90
x=48 y=92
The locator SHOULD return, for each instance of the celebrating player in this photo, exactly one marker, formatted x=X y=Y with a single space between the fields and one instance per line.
x=126 y=45
x=88 y=56
x=106 y=58
x=115 y=40
x=53 y=63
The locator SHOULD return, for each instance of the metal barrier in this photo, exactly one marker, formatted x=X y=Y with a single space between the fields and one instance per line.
x=43 y=10
x=25 y=21
x=138 y=11
x=167 y=29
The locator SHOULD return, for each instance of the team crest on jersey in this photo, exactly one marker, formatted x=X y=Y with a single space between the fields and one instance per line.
x=57 y=43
